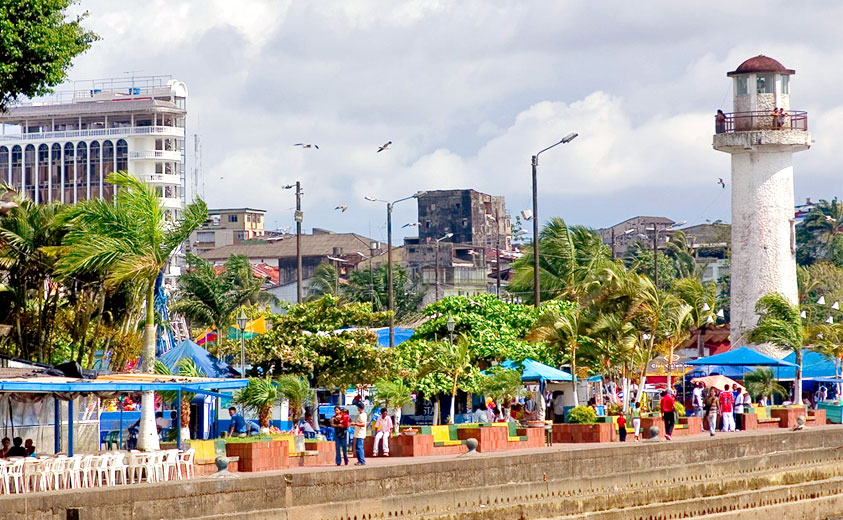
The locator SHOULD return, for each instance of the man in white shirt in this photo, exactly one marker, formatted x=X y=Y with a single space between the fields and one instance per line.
x=360 y=434
x=559 y=407
x=697 y=399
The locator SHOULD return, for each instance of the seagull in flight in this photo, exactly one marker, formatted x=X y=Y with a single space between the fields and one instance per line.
x=342 y=208
x=721 y=183
x=384 y=147
x=7 y=203
x=307 y=145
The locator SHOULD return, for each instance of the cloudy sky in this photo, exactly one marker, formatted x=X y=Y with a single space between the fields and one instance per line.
x=467 y=90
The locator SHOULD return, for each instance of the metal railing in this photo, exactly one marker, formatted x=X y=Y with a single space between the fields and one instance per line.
x=156 y=154
x=99 y=132
x=762 y=120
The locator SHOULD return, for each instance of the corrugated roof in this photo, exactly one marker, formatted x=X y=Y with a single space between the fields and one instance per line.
x=311 y=245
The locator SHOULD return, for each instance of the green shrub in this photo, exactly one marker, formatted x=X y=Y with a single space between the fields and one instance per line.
x=240 y=440
x=582 y=415
x=680 y=409
x=614 y=409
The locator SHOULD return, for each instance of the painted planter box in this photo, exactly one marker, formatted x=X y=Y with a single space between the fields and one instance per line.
x=258 y=456
x=577 y=433
x=326 y=451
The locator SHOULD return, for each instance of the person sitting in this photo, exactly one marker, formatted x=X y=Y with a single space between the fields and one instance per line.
x=306 y=425
x=238 y=424
x=480 y=414
x=17 y=450
x=29 y=446
x=132 y=441
x=4 y=447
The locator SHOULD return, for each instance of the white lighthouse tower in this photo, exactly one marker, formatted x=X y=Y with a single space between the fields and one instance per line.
x=762 y=144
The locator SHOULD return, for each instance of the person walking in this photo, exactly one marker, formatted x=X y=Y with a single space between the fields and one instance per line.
x=711 y=405
x=740 y=403
x=340 y=423
x=668 y=409
x=558 y=407
x=384 y=427
x=697 y=398
x=727 y=412
x=622 y=428
x=360 y=433
x=636 y=420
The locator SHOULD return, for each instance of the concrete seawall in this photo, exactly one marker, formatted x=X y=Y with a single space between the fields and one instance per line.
x=698 y=476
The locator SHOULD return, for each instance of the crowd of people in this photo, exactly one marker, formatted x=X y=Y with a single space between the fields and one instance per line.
x=16 y=447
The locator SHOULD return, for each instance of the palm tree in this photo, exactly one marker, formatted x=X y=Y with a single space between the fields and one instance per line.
x=452 y=360
x=211 y=298
x=763 y=382
x=396 y=393
x=781 y=325
x=260 y=395
x=569 y=259
x=188 y=368
x=296 y=390
x=677 y=321
x=562 y=331
x=702 y=297
x=130 y=239
x=618 y=332
x=325 y=280
x=828 y=341
x=29 y=235
x=502 y=385
x=681 y=251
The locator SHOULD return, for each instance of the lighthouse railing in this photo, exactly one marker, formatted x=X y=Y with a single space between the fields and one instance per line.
x=762 y=120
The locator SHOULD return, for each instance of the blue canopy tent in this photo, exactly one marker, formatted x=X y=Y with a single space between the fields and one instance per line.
x=535 y=371
x=740 y=357
x=210 y=365
x=814 y=365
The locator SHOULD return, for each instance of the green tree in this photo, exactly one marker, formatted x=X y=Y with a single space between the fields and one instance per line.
x=260 y=395
x=503 y=385
x=210 y=298
x=185 y=367
x=395 y=394
x=325 y=281
x=37 y=44
x=762 y=382
x=564 y=331
x=779 y=324
x=452 y=360
x=29 y=236
x=371 y=286
x=702 y=297
x=295 y=390
x=819 y=237
x=130 y=240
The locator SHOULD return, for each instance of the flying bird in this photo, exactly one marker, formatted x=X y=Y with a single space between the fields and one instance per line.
x=721 y=183
x=384 y=147
x=342 y=208
x=7 y=203
x=306 y=145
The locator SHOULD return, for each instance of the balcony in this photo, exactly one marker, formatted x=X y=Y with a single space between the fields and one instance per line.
x=159 y=178
x=160 y=155
x=172 y=131
x=749 y=121
x=172 y=203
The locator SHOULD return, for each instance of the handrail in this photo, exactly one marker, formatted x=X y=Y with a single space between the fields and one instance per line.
x=127 y=130
x=762 y=120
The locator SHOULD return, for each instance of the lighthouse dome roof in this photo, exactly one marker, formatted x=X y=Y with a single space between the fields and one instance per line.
x=761 y=63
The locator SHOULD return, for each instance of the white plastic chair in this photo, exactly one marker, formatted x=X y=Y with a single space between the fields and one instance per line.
x=41 y=471
x=4 y=476
x=117 y=468
x=136 y=466
x=86 y=471
x=170 y=464
x=72 y=473
x=57 y=471
x=186 y=461
x=15 y=474
x=155 y=466
x=99 y=470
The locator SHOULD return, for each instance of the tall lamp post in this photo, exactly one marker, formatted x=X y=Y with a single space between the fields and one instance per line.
x=299 y=217
x=536 y=292
x=436 y=260
x=655 y=229
x=241 y=322
x=389 y=289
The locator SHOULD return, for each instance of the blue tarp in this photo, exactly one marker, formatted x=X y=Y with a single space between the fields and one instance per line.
x=401 y=335
x=814 y=365
x=211 y=366
x=741 y=357
x=535 y=371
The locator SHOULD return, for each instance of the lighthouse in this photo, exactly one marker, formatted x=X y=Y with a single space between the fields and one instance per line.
x=761 y=134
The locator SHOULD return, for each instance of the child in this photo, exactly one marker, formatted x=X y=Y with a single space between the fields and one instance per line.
x=622 y=428
x=636 y=420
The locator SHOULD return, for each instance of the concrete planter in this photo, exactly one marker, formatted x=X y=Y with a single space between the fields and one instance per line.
x=258 y=456
x=577 y=433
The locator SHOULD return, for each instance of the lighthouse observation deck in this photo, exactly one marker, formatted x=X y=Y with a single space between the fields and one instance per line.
x=742 y=132
x=763 y=120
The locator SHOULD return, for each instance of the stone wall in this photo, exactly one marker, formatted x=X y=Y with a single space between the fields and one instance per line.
x=533 y=485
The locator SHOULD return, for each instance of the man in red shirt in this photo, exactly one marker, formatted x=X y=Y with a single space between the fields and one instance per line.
x=668 y=413
x=727 y=401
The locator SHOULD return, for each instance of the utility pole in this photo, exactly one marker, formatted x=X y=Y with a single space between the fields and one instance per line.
x=299 y=218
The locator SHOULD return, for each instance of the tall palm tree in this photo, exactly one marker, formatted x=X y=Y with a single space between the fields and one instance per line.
x=211 y=298
x=453 y=360
x=563 y=331
x=699 y=296
x=677 y=321
x=615 y=330
x=828 y=341
x=569 y=259
x=325 y=280
x=781 y=325
x=130 y=239
x=681 y=251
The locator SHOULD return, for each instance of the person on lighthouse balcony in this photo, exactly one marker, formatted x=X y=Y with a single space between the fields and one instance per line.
x=720 y=122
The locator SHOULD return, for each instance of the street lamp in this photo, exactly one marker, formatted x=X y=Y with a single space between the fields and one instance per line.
x=389 y=289
x=436 y=261
x=536 y=292
x=451 y=325
x=655 y=229
x=299 y=218
x=497 y=252
x=241 y=322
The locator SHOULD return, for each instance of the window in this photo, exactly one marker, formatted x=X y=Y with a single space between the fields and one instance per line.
x=764 y=84
x=741 y=88
x=785 y=84
x=241 y=235
x=205 y=236
x=232 y=218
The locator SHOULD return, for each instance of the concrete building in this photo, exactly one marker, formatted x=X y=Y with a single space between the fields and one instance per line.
x=226 y=227
x=711 y=243
x=620 y=236
x=61 y=148
x=761 y=145
x=474 y=218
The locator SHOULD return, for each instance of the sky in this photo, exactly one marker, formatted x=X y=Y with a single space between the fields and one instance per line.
x=467 y=91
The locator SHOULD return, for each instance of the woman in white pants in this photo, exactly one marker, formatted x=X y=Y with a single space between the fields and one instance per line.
x=384 y=427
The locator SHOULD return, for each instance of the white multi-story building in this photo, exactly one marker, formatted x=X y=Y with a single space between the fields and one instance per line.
x=62 y=148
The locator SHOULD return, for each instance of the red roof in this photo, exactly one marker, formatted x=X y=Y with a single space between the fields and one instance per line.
x=761 y=63
x=261 y=271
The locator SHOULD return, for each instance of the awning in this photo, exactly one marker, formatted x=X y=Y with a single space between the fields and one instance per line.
x=741 y=357
x=535 y=371
x=718 y=382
